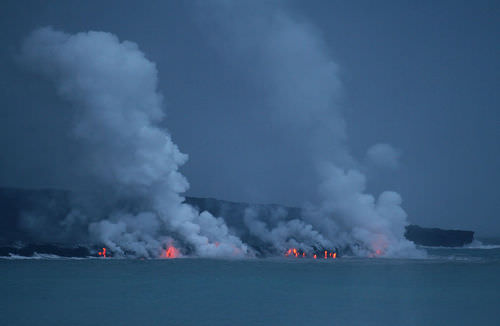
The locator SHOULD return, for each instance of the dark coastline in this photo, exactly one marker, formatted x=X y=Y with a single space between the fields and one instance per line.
x=54 y=205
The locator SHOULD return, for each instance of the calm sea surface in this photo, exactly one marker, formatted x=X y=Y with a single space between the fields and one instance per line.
x=452 y=287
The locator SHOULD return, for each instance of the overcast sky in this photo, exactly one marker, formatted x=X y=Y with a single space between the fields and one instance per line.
x=422 y=77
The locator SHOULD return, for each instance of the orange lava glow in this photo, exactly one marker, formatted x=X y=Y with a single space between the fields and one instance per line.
x=295 y=252
x=170 y=252
x=379 y=246
x=299 y=253
x=102 y=253
x=377 y=253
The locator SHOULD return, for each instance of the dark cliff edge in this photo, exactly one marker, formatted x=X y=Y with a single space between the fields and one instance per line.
x=54 y=205
x=434 y=237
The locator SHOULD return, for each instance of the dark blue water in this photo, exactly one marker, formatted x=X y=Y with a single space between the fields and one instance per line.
x=453 y=287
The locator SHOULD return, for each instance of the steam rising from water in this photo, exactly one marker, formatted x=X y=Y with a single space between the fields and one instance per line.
x=350 y=215
x=111 y=89
x=290 y=59
x=284 y=234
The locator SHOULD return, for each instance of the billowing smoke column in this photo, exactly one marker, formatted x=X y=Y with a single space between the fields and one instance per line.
x=126 y=158
x=351 y=216
x=112 y=91
x=283 y=233
x=290 y=61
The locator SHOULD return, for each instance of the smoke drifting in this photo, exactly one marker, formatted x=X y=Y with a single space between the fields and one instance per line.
x=350 y=215
x=383 y=155
x=283 y=233
x=302 y=87
x=131 y=166
x=111 y=89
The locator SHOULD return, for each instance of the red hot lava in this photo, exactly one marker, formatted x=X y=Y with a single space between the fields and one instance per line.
x=294 y=252
x=102 y=253
x=170 y=252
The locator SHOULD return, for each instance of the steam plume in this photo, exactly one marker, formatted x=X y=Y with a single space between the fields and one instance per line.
x=383 y=155
x=111 y=89
x=287 y=55
x=283 y=234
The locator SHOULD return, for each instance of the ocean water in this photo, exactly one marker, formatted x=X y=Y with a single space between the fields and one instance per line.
x=451 y=287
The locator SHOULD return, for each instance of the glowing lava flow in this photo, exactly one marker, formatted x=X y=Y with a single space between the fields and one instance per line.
x=102 y=253
x=294 y=252
x=170 y=252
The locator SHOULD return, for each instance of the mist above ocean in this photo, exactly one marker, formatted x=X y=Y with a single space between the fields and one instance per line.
x=129 y=165
x=451 y=287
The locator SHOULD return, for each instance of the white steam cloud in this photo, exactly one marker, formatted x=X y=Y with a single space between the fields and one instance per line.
x=383 y=155
x=351 y=216
x=284 y=234
x=290 y=59
x=112 y=91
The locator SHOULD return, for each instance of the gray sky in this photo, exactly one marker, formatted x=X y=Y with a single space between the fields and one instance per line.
x=421 y=77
